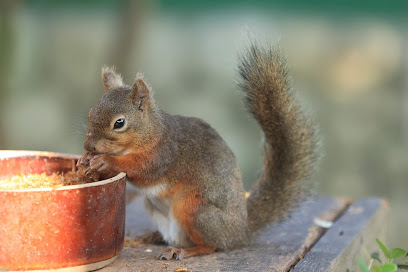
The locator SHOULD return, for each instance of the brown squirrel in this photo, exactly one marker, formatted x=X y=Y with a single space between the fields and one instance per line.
x=187 y=173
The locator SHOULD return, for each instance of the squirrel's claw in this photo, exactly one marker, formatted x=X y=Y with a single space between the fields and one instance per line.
x=171 y=253
x=83 y=162
x=97 y=164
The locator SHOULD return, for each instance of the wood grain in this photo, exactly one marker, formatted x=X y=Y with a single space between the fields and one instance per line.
x=277 y=248
x=357 y=229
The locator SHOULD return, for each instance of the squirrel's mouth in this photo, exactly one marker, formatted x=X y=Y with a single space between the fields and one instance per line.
x=121 y=153
x=111 y=149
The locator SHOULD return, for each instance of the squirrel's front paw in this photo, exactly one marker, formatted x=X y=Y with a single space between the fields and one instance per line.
x=85 y=159
x=97 y=163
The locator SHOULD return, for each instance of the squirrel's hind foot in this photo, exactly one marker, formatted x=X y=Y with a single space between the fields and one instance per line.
x=171 y=253
x=184 y=253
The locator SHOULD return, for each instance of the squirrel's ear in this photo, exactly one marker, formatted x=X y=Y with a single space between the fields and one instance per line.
x=140 y=93
x=111 y=79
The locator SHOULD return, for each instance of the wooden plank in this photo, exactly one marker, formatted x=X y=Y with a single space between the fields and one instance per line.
x=357 y=228
x=277 y=248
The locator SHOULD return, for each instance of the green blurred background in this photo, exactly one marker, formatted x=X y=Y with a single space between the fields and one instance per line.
x=349 y=60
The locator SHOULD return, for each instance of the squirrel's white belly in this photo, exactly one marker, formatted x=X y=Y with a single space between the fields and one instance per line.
x=161 y=215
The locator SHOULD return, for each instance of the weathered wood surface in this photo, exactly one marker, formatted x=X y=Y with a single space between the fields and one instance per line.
x=278 y=248
x=356 y=229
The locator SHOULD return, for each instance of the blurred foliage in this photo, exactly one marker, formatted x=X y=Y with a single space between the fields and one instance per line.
x=349 y=61
x=398 y=8
x=326 y=8
x=389 y=265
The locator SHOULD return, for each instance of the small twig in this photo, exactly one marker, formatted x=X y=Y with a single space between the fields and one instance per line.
x=371 y=263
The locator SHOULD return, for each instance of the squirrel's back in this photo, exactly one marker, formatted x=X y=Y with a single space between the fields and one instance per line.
x=291 y=140
x=204 y=161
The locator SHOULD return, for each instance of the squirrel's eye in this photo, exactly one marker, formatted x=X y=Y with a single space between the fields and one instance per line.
x=119 y=123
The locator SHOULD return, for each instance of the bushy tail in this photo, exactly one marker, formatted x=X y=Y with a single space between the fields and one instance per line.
x=291 y=140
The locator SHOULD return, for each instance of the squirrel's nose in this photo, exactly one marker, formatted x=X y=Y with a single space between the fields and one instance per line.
x=89 y=148
x=89 y=144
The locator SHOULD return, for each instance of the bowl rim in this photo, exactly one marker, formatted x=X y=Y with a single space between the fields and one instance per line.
x=5 y=154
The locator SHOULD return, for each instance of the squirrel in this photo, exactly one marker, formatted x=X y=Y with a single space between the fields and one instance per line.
x=189 y=176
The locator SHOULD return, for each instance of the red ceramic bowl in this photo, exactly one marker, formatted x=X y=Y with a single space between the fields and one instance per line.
x=71 y=228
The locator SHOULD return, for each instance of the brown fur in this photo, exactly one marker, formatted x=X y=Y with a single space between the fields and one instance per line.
x=188 y=173
x=185 y=206
x=291 y=140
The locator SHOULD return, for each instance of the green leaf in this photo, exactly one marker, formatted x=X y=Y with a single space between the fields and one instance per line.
x=376 y=268
x=389 y=267
x=384 y=249
x=363 y=266
x=367 y=255
x=398 y=253
x=376 y=257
